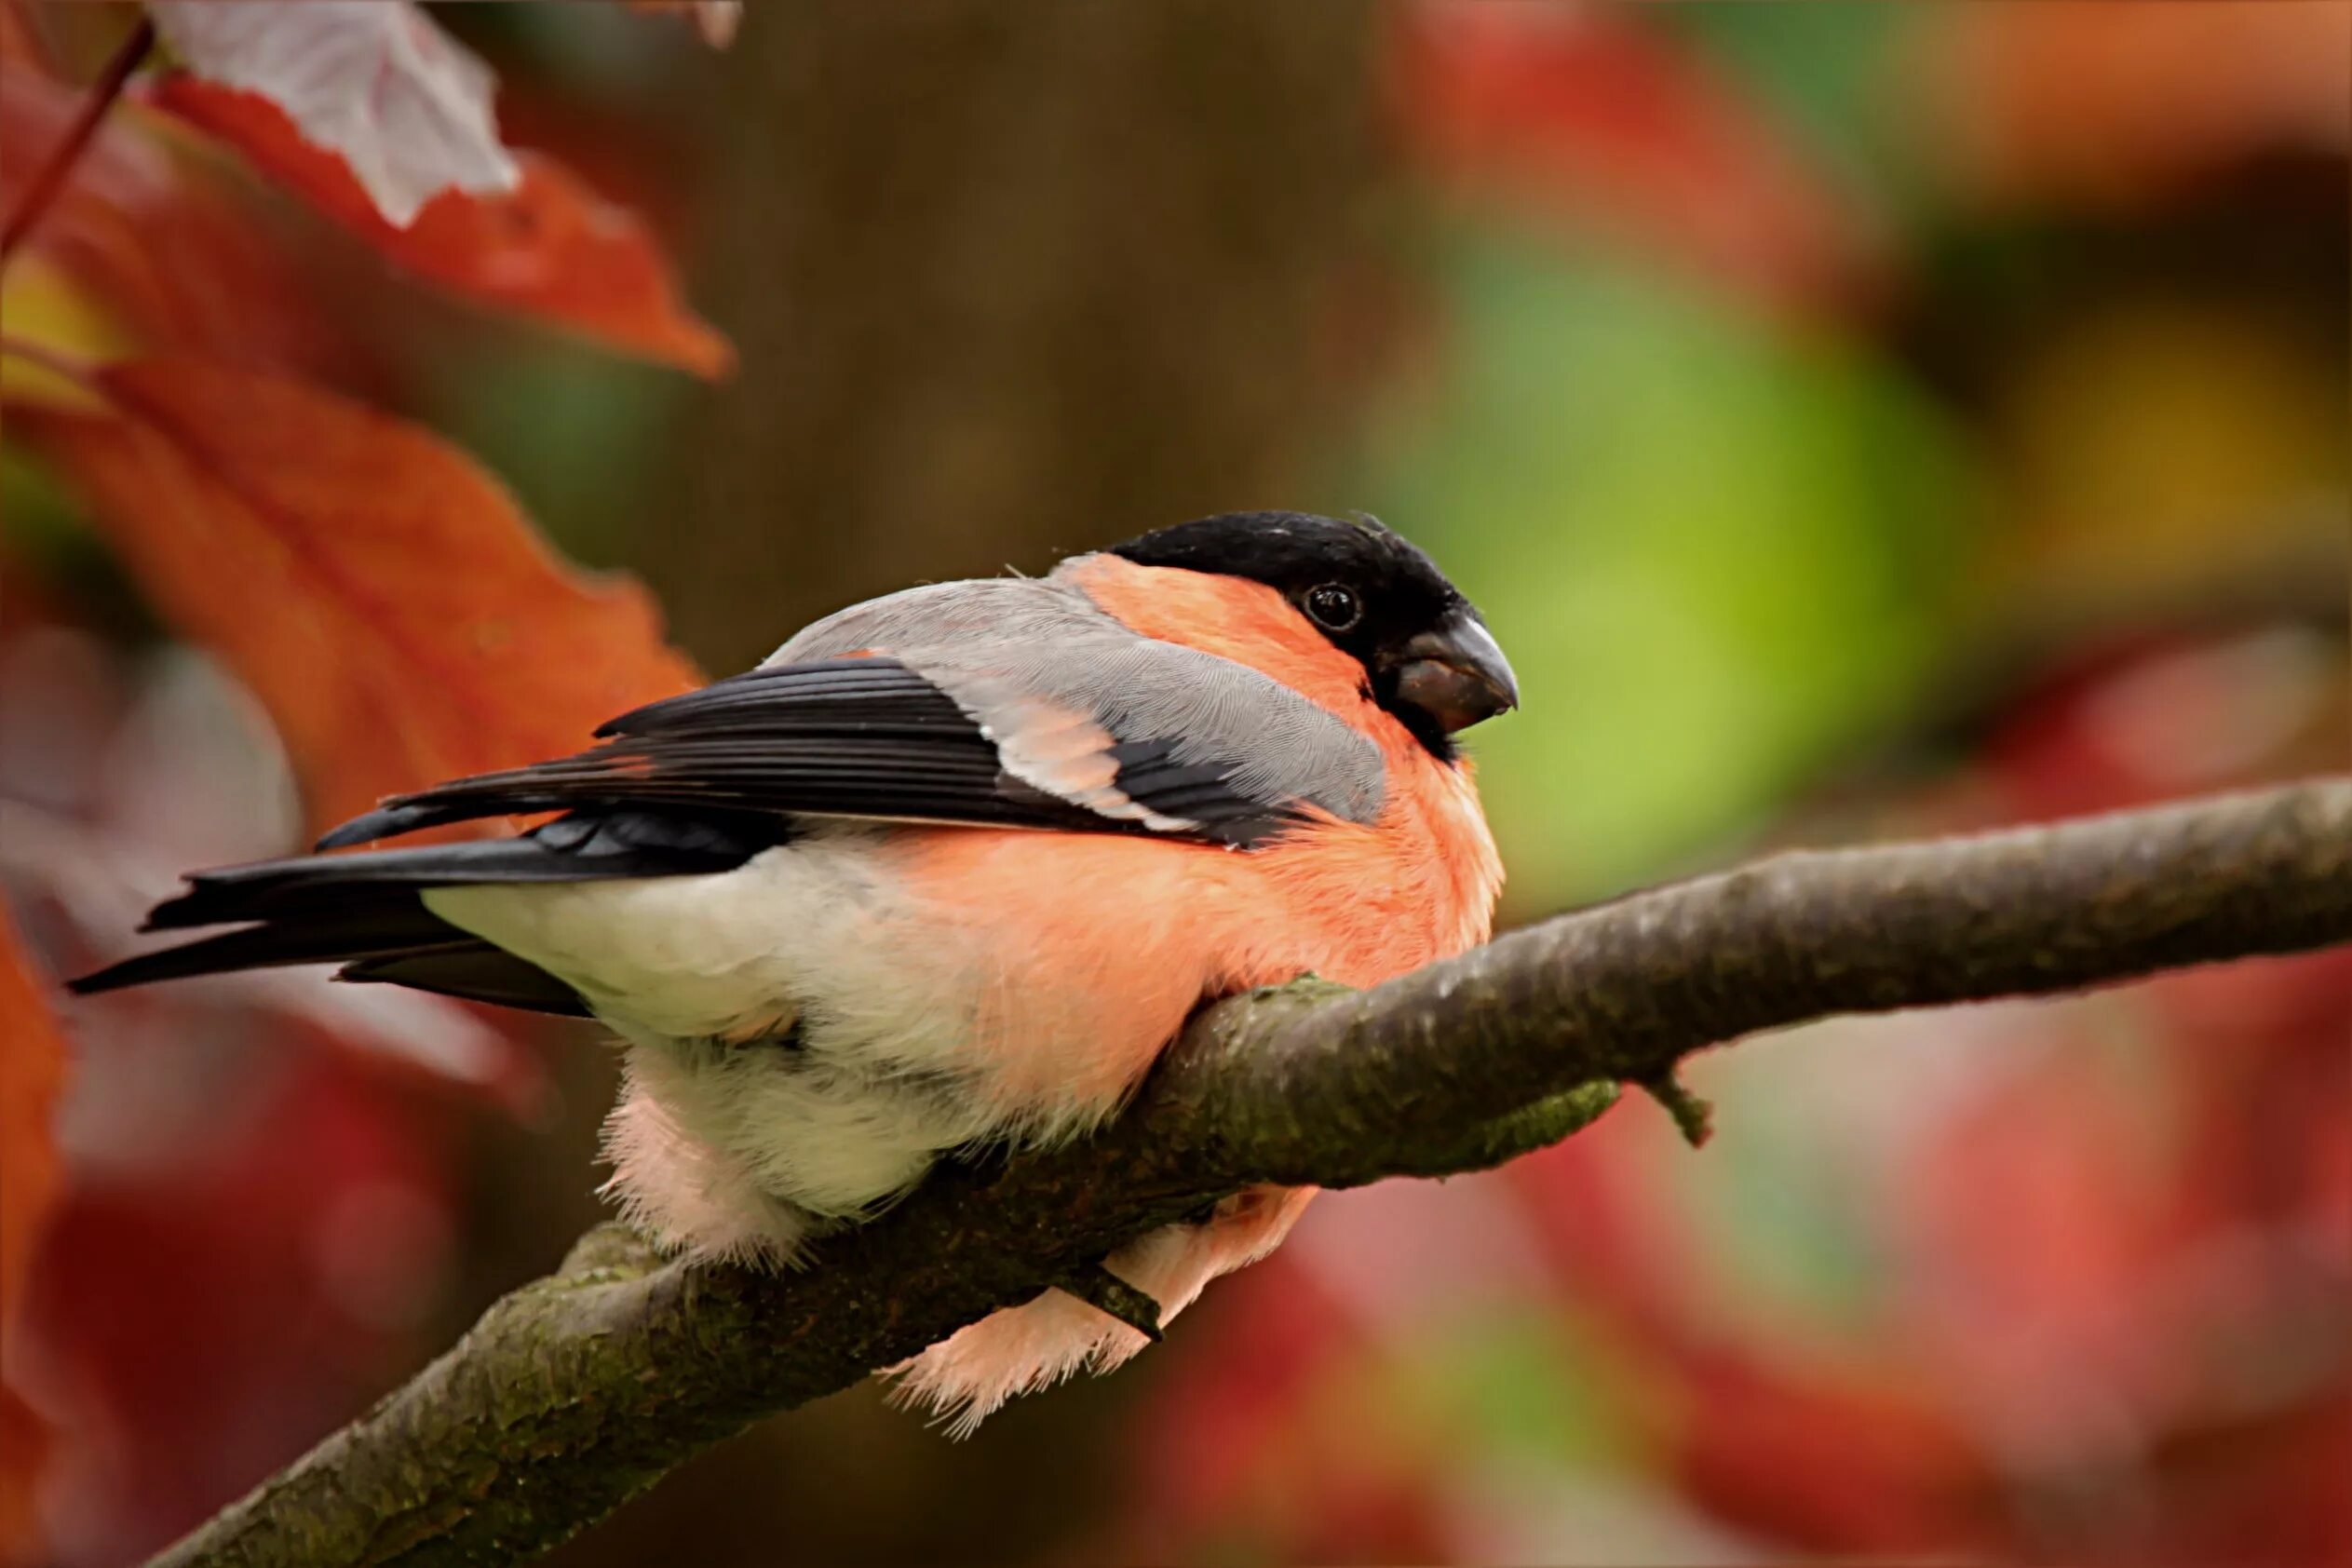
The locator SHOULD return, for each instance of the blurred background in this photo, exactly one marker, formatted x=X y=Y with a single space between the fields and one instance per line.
x=1856 y=420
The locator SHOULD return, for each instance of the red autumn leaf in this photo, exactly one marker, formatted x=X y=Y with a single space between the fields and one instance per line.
x=393 y=609
x=25 y=1444
x=32 y=1073
x=161 y=253
x=203 y=1315
x=1596 y=112
x=2121 y=106
x=18 y=41
x=553 y=248
x=1821 y=1459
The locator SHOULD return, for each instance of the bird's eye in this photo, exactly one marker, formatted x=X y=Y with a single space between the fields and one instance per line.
x=1333 y=607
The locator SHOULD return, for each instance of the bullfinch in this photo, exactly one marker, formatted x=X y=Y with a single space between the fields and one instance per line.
x=948 y=870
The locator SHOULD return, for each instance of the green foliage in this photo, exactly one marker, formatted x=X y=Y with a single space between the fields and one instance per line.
x=1822 y=68
x=1713 y=546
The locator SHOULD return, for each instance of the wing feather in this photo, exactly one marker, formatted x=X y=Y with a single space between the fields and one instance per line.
x=863 y=737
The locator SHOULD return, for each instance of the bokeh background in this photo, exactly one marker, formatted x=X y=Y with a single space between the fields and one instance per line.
x=1856 y=420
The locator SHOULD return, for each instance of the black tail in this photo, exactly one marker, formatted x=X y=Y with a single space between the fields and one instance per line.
x=363 y=910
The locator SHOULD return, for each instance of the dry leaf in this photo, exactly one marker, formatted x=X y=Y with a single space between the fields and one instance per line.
x=551 y=249
x=406 y=106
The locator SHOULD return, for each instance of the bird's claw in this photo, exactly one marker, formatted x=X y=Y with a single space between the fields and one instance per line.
x=1099 y=1288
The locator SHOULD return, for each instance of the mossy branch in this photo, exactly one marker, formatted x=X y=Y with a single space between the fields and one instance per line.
x=576 y=1392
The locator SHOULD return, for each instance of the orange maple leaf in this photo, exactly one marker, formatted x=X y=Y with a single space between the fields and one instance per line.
x=552 y=248
x=32 y=1076
x=385 y=599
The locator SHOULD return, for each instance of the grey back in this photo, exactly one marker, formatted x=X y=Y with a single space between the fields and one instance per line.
x=1022 y=656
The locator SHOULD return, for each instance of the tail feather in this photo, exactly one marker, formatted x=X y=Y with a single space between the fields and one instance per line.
x=364 y=911
x=309 y=886
x=476 y=971
x=405 y=925
x=576 y=849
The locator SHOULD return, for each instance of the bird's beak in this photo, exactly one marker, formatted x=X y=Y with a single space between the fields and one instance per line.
x=1457 y=674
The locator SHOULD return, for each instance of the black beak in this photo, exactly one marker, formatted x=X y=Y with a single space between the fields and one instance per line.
x=1457 y=674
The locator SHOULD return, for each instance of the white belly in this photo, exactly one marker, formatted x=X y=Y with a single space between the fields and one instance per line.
x=797 y=1032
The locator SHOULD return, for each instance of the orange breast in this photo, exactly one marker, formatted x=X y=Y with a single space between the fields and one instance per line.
x=1096 y=947
x=1417 y=884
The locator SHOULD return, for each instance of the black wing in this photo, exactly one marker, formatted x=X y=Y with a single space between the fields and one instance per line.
x=862 y=736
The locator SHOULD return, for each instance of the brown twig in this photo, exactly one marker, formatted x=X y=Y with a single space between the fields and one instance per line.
x=53 y=174
x=576 y=1392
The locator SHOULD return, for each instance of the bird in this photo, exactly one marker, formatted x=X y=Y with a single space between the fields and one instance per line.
x=946 y=873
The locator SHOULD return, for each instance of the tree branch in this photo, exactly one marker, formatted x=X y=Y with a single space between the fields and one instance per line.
x=578 y=1391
